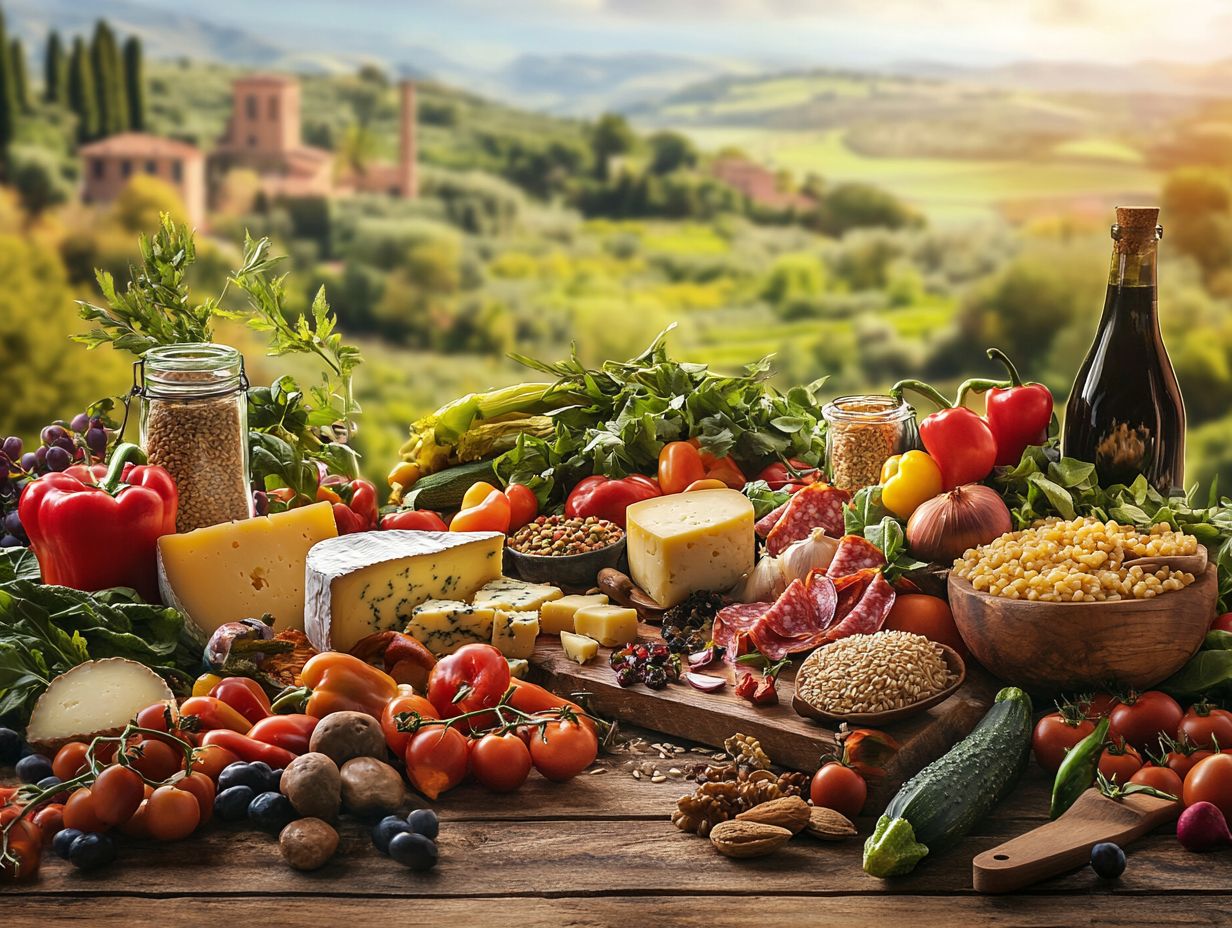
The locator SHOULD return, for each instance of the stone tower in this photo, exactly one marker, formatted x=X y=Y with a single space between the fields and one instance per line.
x=408 y=155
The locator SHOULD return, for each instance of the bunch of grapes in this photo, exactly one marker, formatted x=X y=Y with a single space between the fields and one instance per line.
x=83 y=440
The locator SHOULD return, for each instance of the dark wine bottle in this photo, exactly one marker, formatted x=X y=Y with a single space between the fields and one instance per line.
x=1125 y=413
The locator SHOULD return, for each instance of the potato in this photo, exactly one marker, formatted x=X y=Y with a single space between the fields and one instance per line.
x=307 y=843
x=371 y=787
x=343 y=735
x=314 y=786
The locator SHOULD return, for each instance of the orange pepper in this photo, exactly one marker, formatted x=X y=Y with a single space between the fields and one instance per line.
x=724 y=469
x=492 y=515
x=706 y=483
x=337 y=682
x=212 y=713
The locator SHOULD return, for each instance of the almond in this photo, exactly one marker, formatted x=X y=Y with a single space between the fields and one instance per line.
x=829 y=825
x=790 y=812
x=747 y=839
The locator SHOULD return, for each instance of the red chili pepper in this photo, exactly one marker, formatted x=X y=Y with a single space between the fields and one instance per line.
x=249 y=749
x=474 y=677
x=608 y=497
x=289 y=732
x=415 y=520
x=766 y=694
x=94 y=536
x=790 y=475
x=245 y=695
x=746 y=685
x=956 y=438
x=212 y=713
x=1018 y=413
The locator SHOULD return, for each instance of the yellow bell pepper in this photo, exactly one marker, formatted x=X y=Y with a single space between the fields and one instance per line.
x=204 y=683
x=907 y=480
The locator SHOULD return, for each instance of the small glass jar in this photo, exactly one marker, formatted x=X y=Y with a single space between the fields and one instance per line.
x=194 y=423
x=862 y=432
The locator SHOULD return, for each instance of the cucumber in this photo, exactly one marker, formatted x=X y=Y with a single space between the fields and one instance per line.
x=445 y=488
x=945 y=800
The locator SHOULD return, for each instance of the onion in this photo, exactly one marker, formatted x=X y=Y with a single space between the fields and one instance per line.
x=705 y=682
x=943 y=528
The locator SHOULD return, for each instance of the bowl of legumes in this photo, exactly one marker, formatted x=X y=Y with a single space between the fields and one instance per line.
x=566 y=551
x=1083 y=603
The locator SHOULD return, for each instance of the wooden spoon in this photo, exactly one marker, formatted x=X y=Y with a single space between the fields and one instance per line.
x=1185 y=563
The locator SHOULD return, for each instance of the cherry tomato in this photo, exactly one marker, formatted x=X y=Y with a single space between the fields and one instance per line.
x=523 y=505
x=70 y=760
x=211 y=759
x=1206 y=727
x=680 y=464
x=1182 y=758
x=154 y=760
x=25 y=847
x=163 y=717
x=532 y=698
x=500 y=762
x=836 y=786
x=172 y=813
x=476 y=494
x=139 y=825
x=1120 y=763
x=1211 y=781
x=1054 y=735
x=1222 y=623
x=203 y=788
x=492 y=515
x=929 y=616
x=79 y=812
x=403 y=702
x=1143 y=717
x=436 y=760
x=49 y=819
x=1163 y=779
x=479 y=674
x=1101 y=704
x=563 y=749
x=117 y=792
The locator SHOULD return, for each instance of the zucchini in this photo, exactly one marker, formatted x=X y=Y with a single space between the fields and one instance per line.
x=445 y=488
x=945 y=800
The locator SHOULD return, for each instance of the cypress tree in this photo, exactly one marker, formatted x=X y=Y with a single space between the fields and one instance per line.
x=8 y=94
x=134 y=83
x=21 y=77
x=119 y=93
x=81 y=96
x=108 y=81
x=55 y=78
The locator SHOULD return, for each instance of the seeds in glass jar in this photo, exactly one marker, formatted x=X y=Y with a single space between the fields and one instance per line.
x=558 y=536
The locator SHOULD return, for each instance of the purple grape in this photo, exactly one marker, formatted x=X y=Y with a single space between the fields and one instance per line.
x=58 y=459
x=29 y=461
x=13 y=448
x=40 y=457
x=260 y=502
x=12 y=523
x=8 y=541
x=96 y=439
x=53 y=432
x=80 y=422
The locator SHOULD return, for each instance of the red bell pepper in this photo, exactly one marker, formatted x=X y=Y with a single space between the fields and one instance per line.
x=289 y=732
x=249 y=749
x=609 y=497
x=245 y=695
x=212 y=713
x=958 y=439
x=1018 y=413
x=98 y=535
x=356 y=509
x=414 y=520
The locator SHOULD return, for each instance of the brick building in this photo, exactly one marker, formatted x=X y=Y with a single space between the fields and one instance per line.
x=108 y=164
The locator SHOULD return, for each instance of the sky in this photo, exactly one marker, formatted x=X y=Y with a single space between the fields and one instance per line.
x=789 y=32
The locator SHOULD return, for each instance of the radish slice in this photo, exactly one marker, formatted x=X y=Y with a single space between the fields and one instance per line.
x=705 y=682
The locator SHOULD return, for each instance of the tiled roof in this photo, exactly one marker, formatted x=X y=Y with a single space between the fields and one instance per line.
x=140 y=145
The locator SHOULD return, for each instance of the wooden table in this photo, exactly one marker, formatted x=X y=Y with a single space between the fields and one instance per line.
x=601 y=851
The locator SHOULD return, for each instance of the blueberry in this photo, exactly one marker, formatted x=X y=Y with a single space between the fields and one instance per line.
x=424 y=822
x=413 y=851
x=271 y=812
x=64 y=840
x=10 y=746
x=34 y=768
x=91 y=851
x=386 y=829
x=231 y=804
x=1107 y=860
x=256 y=776
x=48 y=783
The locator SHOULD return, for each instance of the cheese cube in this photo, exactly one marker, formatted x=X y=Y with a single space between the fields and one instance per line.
x=557 y=616
x=690 y=542
x=610 y=625
x=442 y=625
x=518 y=668
x=370 y=582
x=578 y=647
x=514 y=633
x=515 y=595
x=241 y=570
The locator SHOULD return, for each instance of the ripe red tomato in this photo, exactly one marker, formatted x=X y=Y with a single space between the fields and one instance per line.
x=139 y=825
x=563 y=749
x=155 y=760
x=1206 y=727
x=403 y=702
x=117 y=792
x=203 y=788
x=79 y=812
x=436 y=760
x=1101 y=704
x=928 y=616
x=523 y=505
x=838 y=787
x=172 y=813
x=25 y=847
x=1120 y=762
x=1143 y=717
x=70 y=760
x=211 y=759
x=1222 y=623
x=50 y=819
x=500 y=762
x=1161 y=778
x=1054 y=735
x=1211 y=781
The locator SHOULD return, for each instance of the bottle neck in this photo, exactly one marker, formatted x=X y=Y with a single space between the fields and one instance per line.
x=1133 y=270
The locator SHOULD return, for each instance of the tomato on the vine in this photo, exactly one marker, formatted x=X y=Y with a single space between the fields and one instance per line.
x=562 y=749
x=1207 y=727
x=70 y=760
x=500 y=762
x=50 y=819
x=472 y=678
x=1142 y=717
x=436 y=760
x=1161 y=778
x=172 y=813
x=1211 y=781
x=80 y=813
x=212 y=759
x=117 y=792
x=204 y=789
x=1056 y=733
x=155 y=760
x=837 y=786
x=1180 y=755
x=403 y=702
x=1099 y=704
x=25 y=848
x=1120 y=762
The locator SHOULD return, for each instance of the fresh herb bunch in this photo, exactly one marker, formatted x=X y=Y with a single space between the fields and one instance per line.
x=866 y=515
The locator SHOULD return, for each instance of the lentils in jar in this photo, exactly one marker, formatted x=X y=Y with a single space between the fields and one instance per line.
x=558 y=536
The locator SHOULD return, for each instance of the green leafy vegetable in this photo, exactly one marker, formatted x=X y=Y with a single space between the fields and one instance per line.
x=764 y=499
x=1208 y=673
x=867 y=516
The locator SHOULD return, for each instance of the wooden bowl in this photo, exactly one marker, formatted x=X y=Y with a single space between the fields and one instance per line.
x=875 y=719
x=1052 y=647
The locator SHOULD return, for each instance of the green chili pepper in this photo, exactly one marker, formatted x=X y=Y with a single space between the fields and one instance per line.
x=1077 y=771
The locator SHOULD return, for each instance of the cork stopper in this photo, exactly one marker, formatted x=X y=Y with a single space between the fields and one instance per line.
x=1136 y=228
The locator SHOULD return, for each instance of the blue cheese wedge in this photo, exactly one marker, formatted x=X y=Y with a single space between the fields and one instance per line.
x=518 y=667
x=443 y=625
x=514 y=633
x=510 y=595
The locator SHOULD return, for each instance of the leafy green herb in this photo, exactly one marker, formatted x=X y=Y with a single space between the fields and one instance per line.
x=1208 y=673
x=866 y=515
x=764 y=499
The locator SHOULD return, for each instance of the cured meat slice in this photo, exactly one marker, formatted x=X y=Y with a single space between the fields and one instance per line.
x=767 y=522
x=855 y=553
x=825 y=598
x=869 y=614
x=775 y=647
x=732 y=624
x=816 y=506
x=798 y=620
x=850 y=589
x=793 y=613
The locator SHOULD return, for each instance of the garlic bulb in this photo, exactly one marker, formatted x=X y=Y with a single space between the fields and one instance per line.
x=764 y=584
x=771 y=575
x=941 y=529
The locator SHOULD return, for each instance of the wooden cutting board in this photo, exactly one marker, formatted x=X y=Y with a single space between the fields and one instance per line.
x=790 y=740
x=1065 y=844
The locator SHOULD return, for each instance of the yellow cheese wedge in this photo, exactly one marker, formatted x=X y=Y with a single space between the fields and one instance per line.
x=442 y=625
x=240 y=570
x=557 y=616
x=689 y=542
x=514 y=633
x=609 y=625
x=578 y=647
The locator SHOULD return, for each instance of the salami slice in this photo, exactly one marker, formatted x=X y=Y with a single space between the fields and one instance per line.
x=815 y=506
x=767 y=522
x=825 y=598
x=732 y=624
x=773 y=646
x=855 y=553
x=849 y=590
x=869 y=614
